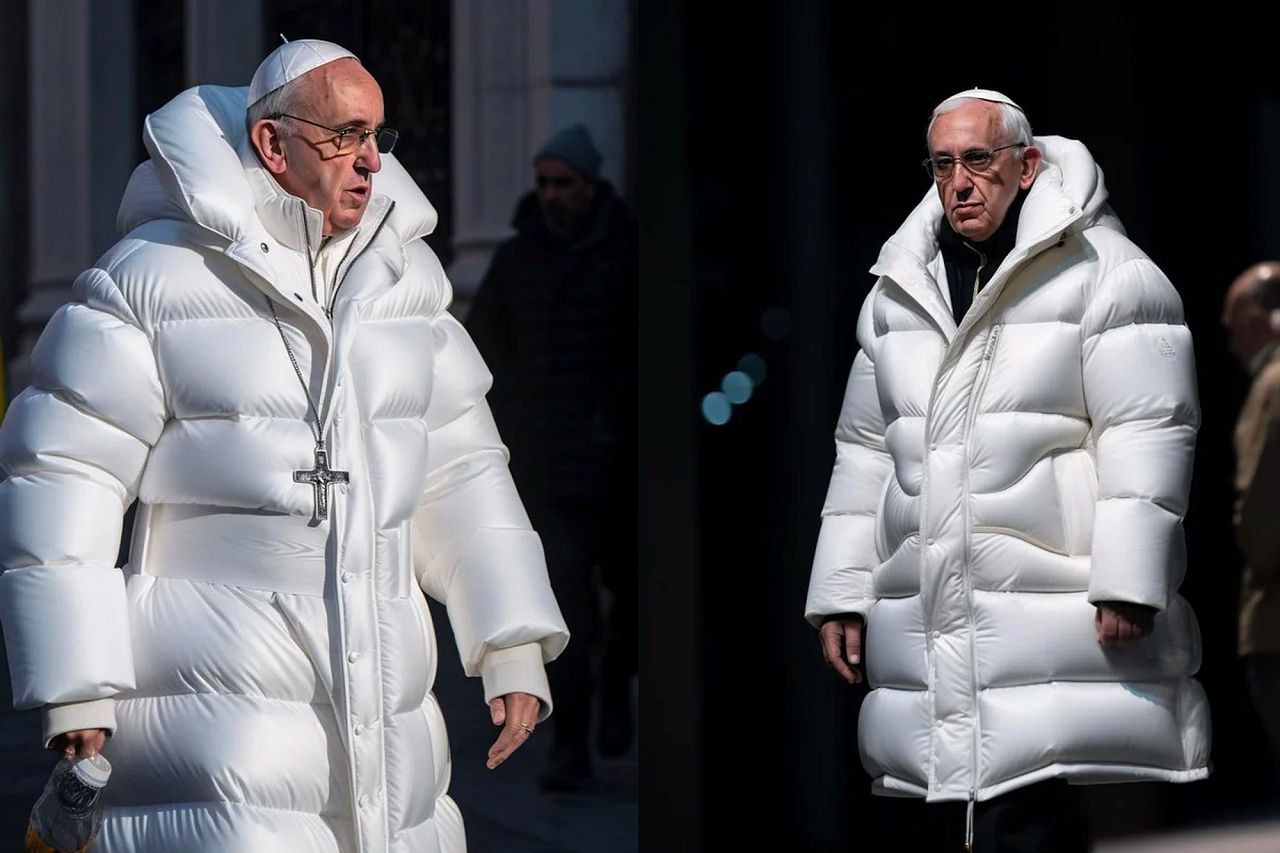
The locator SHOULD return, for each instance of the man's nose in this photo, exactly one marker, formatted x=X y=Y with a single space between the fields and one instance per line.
x=961 y=179
x=369 y=158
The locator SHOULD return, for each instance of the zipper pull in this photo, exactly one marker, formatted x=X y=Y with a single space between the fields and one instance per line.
x=991 y=343
x=968 y=824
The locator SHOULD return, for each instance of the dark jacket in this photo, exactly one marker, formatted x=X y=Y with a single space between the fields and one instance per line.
x=556 y=322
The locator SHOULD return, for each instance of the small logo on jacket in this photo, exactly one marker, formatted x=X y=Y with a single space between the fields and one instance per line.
x=1166 y=348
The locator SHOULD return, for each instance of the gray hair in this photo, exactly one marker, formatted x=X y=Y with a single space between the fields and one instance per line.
x=286 y=99
x=1013 y=121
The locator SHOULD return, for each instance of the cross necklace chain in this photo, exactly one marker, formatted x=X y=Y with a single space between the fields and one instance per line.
x=320 y=476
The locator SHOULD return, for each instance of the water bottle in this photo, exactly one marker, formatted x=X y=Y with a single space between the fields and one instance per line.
x=68 y=815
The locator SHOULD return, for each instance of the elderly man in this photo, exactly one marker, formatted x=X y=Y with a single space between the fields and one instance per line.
x=1251 y=315
x=266 y=362
x=1012 y=465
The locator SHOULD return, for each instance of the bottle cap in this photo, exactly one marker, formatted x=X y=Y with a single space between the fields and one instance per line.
x=94 y=771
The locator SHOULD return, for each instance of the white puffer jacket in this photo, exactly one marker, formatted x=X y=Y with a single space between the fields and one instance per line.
x=992 y=482
x=272 y=677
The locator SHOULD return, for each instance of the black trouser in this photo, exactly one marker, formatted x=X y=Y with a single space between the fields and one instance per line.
x=1042 y=818
x=577 y=537
x=620 y=575
x=1263 y=674
x=570 y=540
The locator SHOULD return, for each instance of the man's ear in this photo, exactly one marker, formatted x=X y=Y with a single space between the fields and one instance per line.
x=1031 y=160
x=266 y=137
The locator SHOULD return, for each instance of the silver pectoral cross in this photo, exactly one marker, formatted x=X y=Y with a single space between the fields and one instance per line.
x=321 y=477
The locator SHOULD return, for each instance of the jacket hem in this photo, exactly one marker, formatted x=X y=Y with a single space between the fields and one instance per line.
x=1073 y=773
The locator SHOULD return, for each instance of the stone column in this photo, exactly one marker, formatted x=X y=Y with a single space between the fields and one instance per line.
x=223 y=41
x=500 y=98
x=590 y=60
x=82 y=146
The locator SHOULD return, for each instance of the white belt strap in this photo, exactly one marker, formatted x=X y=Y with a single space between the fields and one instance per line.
x=246 y=548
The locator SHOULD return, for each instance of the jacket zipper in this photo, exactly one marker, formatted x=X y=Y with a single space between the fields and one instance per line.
x=333 y=294
x=311 y=273
x=338 y=282
x=980 y=386
x=306 y=242
x=333 y=300
x=977 y=276
x=334 y=525
x=987 y=357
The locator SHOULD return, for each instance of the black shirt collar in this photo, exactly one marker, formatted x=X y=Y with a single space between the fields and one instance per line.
x=969 y=261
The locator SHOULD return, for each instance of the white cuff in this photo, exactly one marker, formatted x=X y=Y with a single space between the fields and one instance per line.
x=518 y=669
x=74 y=716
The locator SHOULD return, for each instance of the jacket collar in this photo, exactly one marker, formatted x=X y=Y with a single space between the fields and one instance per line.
x=290 y=220
x=198 y=147
x=1068 y=195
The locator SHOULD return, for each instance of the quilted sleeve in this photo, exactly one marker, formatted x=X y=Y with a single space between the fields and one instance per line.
x=72 y=450
x=1140 y=392
x=840 y=579
x=474 y=548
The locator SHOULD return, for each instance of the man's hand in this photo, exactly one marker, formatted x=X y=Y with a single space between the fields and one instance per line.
x=1119 y=622
x=519 y=713
x=81 y=743
x=841 y=639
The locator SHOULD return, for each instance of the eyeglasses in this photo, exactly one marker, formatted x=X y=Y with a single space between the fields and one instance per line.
x=352 y=138
x=558 y=181
x=976 y=160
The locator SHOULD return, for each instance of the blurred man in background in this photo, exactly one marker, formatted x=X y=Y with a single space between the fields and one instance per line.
x=555 y=318
x=1251 y=316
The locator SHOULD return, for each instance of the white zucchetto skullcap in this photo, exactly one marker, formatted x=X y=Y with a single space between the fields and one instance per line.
x=290 y=61
x=986 y=95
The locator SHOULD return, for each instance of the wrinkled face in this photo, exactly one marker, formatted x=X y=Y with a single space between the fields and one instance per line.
x=340 y=95
x=975 y=203
x=564 y=196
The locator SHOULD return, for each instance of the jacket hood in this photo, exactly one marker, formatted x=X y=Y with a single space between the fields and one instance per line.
x=198 y=172
x=1069 y=194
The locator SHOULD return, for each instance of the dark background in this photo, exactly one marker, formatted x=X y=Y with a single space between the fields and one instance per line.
x=780 y=148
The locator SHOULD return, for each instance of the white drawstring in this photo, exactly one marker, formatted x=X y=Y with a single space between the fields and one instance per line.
x=968 y=826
